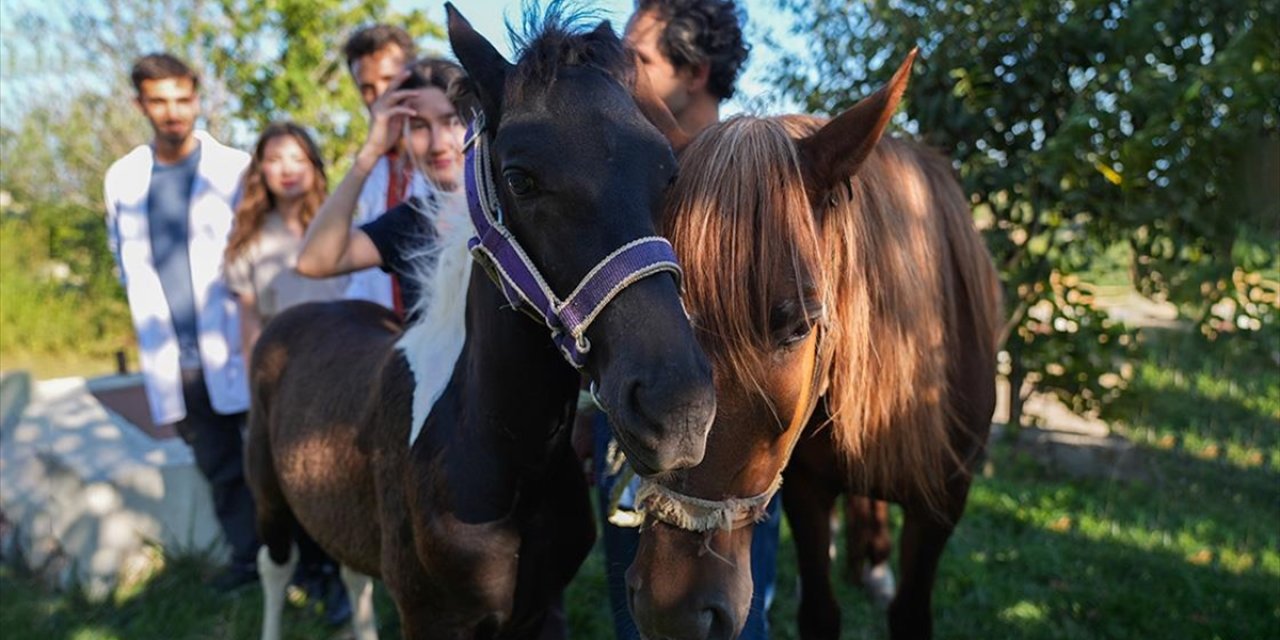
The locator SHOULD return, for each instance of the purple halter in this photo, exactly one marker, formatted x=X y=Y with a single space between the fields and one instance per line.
x=496 y=249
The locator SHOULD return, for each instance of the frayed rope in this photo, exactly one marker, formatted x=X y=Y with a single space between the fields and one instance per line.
x=698 y=514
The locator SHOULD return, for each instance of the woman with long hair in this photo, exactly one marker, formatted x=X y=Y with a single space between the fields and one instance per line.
x=282 y=189
x=280 y=193
x=422 y=118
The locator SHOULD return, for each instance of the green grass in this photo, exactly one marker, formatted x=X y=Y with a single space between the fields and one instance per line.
x=1191 y=549
x=44 y=366
x=171 y=602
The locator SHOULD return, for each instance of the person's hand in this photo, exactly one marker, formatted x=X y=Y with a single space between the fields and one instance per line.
x=389 y=112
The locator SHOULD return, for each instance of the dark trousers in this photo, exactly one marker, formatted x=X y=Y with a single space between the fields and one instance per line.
x=218 y=445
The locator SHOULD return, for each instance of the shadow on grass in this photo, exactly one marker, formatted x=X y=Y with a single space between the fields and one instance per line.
x=172 y=603
x=1008 y=577
x=1045 y=556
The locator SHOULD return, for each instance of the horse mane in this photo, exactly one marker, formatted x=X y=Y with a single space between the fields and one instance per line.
x=719 y=218
x=557 y=37
x=897 y=263
x=433 y=342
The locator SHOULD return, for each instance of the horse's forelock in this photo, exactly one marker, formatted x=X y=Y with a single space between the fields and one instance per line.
x=736 y=214
x=562 y=35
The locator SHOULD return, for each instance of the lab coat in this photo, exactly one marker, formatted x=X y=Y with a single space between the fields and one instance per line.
x=126 y=188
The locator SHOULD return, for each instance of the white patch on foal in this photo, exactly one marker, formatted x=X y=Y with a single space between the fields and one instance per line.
x=433 y=343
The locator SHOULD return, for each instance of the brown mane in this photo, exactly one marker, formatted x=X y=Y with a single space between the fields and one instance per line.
x=883 y=255
x=716 y=220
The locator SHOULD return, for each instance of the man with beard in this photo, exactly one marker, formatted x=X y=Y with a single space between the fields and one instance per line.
x=169 y=212
x=376 y=56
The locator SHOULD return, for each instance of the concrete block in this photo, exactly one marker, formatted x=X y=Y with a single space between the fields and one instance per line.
x=84 y=491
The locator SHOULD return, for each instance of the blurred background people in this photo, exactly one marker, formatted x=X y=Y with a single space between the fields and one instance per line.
x=376 y=55
x=423 y=118
x=168 y=217
x=281 y=191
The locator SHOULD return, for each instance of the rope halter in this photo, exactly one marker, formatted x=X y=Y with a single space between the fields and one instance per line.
x=496 y=249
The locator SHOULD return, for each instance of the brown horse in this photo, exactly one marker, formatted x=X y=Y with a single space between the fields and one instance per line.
x=850 y=310
x=478 y=520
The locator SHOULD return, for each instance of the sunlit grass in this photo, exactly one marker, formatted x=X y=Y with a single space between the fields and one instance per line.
x=1023 y=612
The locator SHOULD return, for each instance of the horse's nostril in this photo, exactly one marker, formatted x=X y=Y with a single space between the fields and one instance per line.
x=718 y=622
x=662 y=420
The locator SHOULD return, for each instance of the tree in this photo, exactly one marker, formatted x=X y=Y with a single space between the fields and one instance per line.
x=58 y=291
x=68 y=114
x=1077 y=125
x=283 y=59
x=259 y=60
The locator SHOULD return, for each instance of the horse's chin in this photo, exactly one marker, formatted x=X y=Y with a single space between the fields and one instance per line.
x=686 y=585
x=640 y=467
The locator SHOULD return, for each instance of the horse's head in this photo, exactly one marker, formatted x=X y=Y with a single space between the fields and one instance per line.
x=580 y=174
x=746 y=216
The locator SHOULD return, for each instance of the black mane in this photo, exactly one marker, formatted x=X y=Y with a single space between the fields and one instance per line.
x=559 y=36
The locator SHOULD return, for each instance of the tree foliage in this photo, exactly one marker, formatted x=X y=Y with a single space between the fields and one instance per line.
x=69 y=113
x=1077 y=125
x=282 y=58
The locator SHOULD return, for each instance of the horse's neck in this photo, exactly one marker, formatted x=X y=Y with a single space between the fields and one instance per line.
x=512 y=369
x=506 y=407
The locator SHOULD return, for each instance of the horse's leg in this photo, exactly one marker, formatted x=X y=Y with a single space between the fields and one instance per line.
x=360 y=593
x=924 y=536
x=400 y=573
x=278 y=556
x=276 y=522
x=572 y=531
x=275 y=579
x=808 y=503
x=869 y=545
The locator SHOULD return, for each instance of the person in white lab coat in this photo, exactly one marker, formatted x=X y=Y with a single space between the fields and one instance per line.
x=169 y=212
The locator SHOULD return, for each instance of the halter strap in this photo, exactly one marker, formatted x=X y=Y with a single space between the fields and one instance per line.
x=698 y=514
x=496 y=249
x=692 y=513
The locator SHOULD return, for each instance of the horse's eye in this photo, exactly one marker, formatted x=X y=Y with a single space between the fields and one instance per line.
x=519 y=182
x=794 y=322
x=797 y=334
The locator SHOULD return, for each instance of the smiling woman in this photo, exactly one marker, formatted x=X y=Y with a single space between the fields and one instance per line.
x=419 y=118
x=280 y=193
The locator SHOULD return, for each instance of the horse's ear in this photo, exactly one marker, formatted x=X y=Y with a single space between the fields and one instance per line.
x=485 y=66
x=837 y=150
x=657 y=113
x=604 y=31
